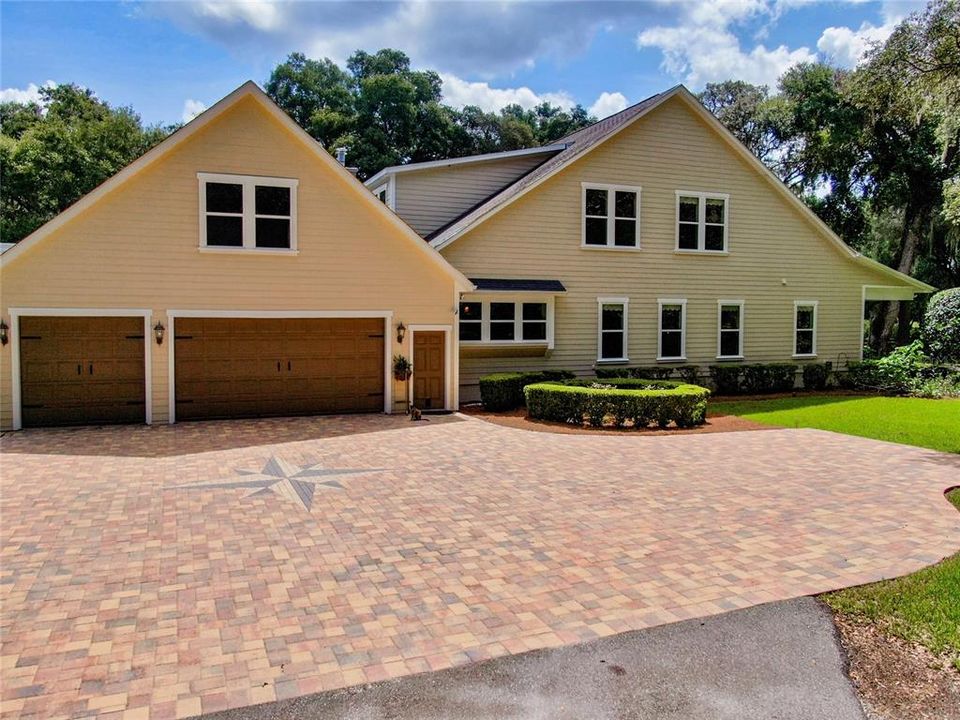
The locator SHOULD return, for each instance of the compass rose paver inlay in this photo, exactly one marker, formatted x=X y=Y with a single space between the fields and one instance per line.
x=296 y=483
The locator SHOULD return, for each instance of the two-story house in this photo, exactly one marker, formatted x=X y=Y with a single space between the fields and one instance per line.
x=238 y=270
x=653 y=237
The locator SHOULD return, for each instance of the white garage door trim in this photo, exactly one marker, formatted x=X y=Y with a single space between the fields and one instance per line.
x=172 y=315
x=17 y=313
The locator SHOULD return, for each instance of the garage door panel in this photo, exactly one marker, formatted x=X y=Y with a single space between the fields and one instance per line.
x=82 y=370
x=246 y=367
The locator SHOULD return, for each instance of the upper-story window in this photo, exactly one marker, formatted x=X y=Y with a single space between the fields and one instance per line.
x=243 y=212
x=702 y=221
x=611 y=216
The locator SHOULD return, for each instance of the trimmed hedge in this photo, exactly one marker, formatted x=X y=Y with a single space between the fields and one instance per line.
x=816 y=376
x=620 y=400
x=504 y=391
x=753 y=379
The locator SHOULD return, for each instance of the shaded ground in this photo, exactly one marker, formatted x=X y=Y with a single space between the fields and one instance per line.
x=779 y=661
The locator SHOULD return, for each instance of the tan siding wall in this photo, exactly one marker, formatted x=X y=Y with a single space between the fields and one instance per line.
x=769 y=242
x=428 y=199
x=137 y=248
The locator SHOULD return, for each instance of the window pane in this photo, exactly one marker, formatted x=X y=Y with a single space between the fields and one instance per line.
x=670 y=344
x=382 y=195
x=730 y=343
x=730 y=317
x=501 y=311
x=805 y=318
x=224 y=231
x=471 y=311
x=612 y=317
x=611 y=345
x=469 y=331
x=534 y=311
x=596 y=202
x=501 y=331
x=273 y=200
x=713 y=237
x=535 y=330
x=671 y=317
x=688 y=236
x=713 y=213
x=224 y=197
x=689 y=209
x=273 y=233
x=625 y=204
x=596 y=231
x=804 y=342
x=625 y=233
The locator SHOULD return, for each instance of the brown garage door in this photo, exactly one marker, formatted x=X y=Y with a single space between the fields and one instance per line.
x=81 y=370
x=242 y=367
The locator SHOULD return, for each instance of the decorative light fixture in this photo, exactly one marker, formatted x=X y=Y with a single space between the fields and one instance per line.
x=158 y=331
x=401 y=332
x=3 y=333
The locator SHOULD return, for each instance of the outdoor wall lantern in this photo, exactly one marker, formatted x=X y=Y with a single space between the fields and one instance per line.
x=158 y=331
x=401 y=332
x=3 y=333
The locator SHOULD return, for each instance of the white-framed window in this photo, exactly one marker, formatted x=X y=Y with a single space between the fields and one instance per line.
x=671 y=329
x=612 y=329
x=805 y=328
x=384 y=192
x=505 y=320
x=702 y=220
x=381 y=193
x=247 y=213
x=611 y=216
x=729 y=329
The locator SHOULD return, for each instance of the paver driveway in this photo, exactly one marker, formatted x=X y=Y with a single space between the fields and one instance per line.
x=160 y=572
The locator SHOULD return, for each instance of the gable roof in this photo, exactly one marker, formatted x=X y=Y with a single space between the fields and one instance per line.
x=467 y=159
x=248 y=90
x=586 y=139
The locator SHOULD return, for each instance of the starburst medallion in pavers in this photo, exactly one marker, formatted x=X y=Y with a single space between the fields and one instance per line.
x=296 y=483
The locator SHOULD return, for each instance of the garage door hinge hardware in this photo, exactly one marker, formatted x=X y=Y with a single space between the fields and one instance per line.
x=375 y=336
x=134 y=337
x=183 y=337
x=31 y=337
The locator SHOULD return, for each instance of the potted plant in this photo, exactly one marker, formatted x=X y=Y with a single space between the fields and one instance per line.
x=402 y=368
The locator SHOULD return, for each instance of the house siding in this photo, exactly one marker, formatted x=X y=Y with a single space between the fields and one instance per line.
x=776 y=255
x=429 y=199
x=138 y=248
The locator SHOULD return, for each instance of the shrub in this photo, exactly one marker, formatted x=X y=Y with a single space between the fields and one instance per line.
x=726 y=378
x=894 y=373
x=688 y=373
x=941 y=326
x=641 y=373
x=768 y=378
x=815 y=376
x=628 y=400
x=504 y=391
x=613 y=372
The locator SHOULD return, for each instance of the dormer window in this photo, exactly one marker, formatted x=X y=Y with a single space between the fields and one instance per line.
x=611 y=217
x=246 y=213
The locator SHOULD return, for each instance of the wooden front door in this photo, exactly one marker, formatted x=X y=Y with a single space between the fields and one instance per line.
x=428 y=369
x=81 y=370
x=245 y=367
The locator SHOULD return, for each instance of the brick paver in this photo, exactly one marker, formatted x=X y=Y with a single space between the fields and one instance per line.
x=127 y=594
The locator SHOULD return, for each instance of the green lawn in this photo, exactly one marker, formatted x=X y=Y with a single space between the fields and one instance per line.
x=923 y=607
x=933 y=424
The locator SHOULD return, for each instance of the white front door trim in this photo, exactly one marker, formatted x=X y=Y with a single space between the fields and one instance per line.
x=17 y=313
x=386 y=315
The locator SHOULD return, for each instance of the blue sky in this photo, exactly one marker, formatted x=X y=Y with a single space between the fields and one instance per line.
x=170 y=59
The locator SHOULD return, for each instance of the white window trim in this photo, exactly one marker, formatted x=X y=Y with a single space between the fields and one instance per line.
x=625 y=302
x=701 y=222
x=388 y=187
x=249 y=183
x=682 y=302
x=797 y=304
x=720 y=305
x=517 y=300
x=611 y=218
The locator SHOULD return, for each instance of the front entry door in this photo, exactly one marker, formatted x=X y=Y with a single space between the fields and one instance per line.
x=428 y=370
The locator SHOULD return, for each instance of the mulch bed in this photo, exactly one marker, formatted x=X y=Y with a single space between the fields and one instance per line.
x=518 y=419
x=896 y=679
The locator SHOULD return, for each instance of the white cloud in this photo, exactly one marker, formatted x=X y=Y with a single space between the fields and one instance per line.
x=192 y=108
x=703 y=47
x=607 y=104
x=847 y=47
x=458 y=92
x=31 y=93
